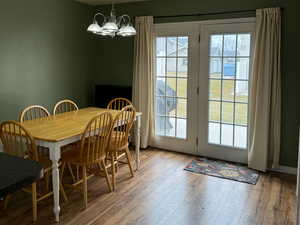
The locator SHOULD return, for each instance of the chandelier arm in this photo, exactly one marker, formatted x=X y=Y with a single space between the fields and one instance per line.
x=122 y=18
x=99 y=14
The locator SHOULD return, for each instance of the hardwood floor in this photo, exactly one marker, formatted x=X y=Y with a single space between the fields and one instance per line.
x=162 y=193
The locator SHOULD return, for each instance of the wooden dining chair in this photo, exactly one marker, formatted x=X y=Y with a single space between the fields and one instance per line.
x=118 y=103
x=18 y=141
x=33 y=112
x=118 y=145
x=92 y=151
x=65 y=105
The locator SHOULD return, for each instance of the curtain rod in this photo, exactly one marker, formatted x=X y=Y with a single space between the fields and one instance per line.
x=207 y=14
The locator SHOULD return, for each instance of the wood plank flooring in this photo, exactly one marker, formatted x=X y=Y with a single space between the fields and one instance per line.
x=162 y=193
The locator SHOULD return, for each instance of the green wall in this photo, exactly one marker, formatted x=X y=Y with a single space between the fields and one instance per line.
x=45 y=54
x=115 y=56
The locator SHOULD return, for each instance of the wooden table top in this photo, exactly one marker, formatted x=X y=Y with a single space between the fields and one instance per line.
x=65 y=125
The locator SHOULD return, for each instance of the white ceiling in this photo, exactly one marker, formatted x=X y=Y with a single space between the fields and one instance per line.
x=106 y=2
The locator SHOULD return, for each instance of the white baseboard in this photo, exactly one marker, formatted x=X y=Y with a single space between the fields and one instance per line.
x=286 y=169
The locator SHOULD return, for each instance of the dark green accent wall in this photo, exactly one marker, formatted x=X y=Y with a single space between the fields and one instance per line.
x=115 y=56
x=45 y=54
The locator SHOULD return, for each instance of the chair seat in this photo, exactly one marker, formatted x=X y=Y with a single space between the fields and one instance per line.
x=113 y=146
x=73 y=156
x=116 y=133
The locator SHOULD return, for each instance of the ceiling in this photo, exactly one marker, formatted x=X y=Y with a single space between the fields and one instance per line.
x=106 y=2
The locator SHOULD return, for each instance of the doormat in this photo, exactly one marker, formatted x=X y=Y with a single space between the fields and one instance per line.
x=223 y=169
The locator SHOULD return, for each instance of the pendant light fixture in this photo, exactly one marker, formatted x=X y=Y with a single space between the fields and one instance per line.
x=112 y=25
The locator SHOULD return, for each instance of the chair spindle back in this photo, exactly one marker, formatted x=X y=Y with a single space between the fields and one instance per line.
x=65 y=105
x=122 y=125
x=118 y=103
x=34 y=112
x=95 y=138
x=17 y=140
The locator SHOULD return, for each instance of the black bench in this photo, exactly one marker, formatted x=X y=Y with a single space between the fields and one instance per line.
x=16 y=173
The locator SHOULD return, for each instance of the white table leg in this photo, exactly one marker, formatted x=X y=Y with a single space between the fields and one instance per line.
x=137 y=134
x=55 y=156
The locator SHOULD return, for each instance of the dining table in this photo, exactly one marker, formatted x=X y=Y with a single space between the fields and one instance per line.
x=59 y=130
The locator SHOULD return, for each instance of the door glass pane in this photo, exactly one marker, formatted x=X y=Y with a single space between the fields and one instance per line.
x=181 y=108
x=241 y=114
x=182 y=88
x=215 y=69
x=161 y=67
x=182 y=67
x=214 y=111
x=160 y=106
x=214 y=133
x=181 y=128
x=182 y=46
x=228 y=68
x=171 y=46
x=170 y=126
x=229 y=57
x=171 y=106
x=171 y=67
x=242 y=68
x=216 y=45
x=241 y=91
x=228 y=90
x=160 y=86
x=243 y=48
x=229 y=45
x=171 y=86
x=240 y=137
x=227 y=112
x=227 y=135
x=215 y=90
x=161 y=46
x=160 y=125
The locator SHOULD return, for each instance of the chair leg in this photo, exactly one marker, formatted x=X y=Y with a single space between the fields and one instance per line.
x=77 y=171
x=84 y=183
x=6 y=200
x=63 y=192
x=117 y=162
x=62 y=170
x=71 y=172
x=128 y=156
x=113 y=171
x=34 y=202
x=47 y=180
x=106 y=176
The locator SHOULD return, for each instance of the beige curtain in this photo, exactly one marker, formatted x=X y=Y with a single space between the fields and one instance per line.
x=265 y=100
x=143 y=76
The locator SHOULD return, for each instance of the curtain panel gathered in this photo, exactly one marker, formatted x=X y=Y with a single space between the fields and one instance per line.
x=143 y=76
x=265 y=96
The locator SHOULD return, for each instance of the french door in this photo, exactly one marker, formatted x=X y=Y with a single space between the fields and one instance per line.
x=202 y=88
x=175 y=87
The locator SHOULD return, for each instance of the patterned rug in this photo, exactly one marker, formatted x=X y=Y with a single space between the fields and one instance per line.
x=222 y=169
